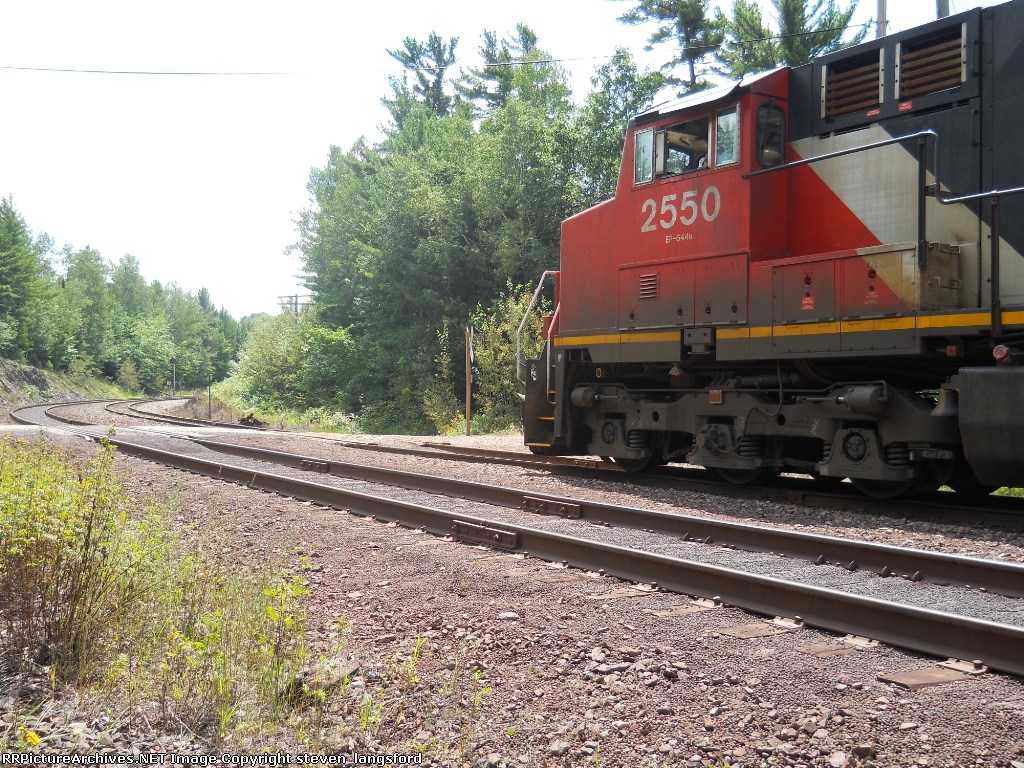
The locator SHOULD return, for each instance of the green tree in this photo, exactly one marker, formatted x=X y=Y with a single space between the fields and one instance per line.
x=404 y=239
x=429 y=61
x=690 y=27
x=330 y=361
x=491 y=85
x=270 y=362
x=92 y=303
x=143 y=344
x=620 y=92
x=495 y=345
x=133 y=295
x=21 y=283
x=334 y=233
x=804 y=29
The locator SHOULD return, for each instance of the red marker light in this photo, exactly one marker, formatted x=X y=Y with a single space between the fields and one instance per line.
x=1001 y=353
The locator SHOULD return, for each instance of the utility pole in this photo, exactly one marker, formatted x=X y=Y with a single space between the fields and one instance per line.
x=209 y=398
x=880 y=29
x=469 y=379
x=174 y=376
x=292 y=301
x=941 y=9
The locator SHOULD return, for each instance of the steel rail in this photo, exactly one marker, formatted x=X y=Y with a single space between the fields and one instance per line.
x=920 y=629
x=934 y=567
x=136 y=413
x=1009 y=514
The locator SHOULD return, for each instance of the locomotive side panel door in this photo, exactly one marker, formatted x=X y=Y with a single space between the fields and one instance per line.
x=805 y=308
x=875 y=288
x=656 y=296
x=720 y=296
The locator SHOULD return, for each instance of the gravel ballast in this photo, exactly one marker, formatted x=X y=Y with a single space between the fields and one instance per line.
x=576 y=678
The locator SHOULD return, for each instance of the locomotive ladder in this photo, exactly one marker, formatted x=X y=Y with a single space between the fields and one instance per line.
x=547 y=418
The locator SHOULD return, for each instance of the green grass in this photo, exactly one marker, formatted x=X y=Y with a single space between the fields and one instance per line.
x=1010 y=492
x=118 y=603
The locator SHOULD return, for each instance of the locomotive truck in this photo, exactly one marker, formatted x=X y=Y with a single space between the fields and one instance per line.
x=814 y=270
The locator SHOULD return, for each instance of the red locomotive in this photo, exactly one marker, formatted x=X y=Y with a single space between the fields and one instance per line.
x=813 y=270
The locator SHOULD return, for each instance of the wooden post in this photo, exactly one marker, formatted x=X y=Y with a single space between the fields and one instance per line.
x=469 y=379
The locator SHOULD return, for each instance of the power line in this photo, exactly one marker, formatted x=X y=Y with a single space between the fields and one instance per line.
x=145 y=72
x=614 y=55
x=488 y=65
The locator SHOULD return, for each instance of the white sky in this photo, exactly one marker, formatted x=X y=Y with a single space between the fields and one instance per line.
x=201 y=178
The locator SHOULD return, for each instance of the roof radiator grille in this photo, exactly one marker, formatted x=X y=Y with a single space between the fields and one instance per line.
x=931 y=63
x=649 y=286
x=852 y=85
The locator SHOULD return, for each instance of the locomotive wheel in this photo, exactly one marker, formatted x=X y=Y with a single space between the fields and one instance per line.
x=882 y=489
x=742 y=476
x=632 y=466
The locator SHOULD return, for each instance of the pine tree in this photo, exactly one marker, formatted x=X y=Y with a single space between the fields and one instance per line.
x=690 y=26
x=20 y=270
x=804 y=29
x=429 y=61
x=491 y=86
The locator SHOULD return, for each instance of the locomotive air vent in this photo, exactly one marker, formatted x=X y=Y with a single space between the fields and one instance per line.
x=649 y=286
x=932 y=63
x=852 y=85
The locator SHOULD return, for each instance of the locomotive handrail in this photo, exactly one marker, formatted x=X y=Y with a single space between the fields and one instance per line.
x=981 y=195
x=852 y=150
x=551 y=331
x=922 y=192
x=529 y=309
x=993 y=197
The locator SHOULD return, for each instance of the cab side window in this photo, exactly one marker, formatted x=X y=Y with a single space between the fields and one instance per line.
x=727 y=136
x=686 y=146
x=771 y=133
x=643 y=156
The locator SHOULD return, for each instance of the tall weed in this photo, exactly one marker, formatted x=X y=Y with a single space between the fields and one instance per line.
x=115 y=599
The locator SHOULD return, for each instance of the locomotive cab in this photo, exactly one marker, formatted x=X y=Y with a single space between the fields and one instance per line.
x=802 y=272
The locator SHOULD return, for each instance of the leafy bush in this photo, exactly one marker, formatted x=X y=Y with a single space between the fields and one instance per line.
x=99 y=593
x=270 y=363
x=497 y=394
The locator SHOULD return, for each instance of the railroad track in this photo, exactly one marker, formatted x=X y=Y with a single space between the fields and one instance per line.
x=131 y=409
x=1002 y=511
x=938 y=568
x=1000 y=646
